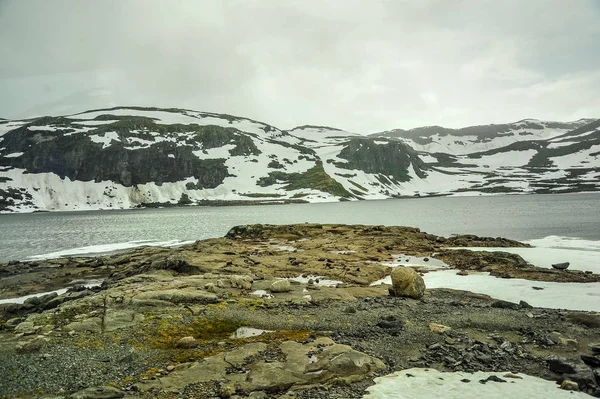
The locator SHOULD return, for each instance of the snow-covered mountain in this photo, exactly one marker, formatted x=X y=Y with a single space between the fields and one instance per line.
x=131 y=156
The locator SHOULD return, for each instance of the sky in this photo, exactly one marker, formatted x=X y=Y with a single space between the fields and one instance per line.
x=363 y=66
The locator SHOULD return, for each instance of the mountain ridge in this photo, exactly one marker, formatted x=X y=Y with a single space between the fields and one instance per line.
x=124 y=157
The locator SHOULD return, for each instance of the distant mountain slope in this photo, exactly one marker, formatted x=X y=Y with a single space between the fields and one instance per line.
x=125 y=157
x=480 y=138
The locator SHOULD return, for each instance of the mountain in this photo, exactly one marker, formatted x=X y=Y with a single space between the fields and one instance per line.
x=125 y=157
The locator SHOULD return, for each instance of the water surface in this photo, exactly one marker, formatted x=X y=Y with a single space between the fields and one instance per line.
x=523 y=217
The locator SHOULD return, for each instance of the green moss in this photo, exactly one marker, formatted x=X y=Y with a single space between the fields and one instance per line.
x=358 y=186
x=315 y=178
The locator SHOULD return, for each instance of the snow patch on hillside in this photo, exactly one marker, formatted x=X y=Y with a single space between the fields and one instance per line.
x=105 y=139
x=583 y=158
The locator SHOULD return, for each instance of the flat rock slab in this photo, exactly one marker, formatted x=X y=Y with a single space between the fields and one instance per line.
x=305 y=364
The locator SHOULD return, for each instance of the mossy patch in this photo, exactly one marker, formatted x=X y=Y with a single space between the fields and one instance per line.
x=314 y=178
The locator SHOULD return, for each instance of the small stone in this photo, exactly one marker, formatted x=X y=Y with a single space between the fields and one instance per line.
x=450 y=341
x=187 y=343
x=170 y=368
x=349 y=309
x=280 y=286
x=561 y=266
x=537 y=288
x=462 y=273
x=438 y=328
x=390 y=322
x=220 y=283
x=210 y=287
x=513 y=376
x=529 y=314
x=569 y=385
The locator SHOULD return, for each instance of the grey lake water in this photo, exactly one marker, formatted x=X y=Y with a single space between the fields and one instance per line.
x=524 y=217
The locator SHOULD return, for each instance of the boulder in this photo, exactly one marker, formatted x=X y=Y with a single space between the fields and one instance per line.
x=26 y=328
x=559 y=365
x=187 y=343
x=31 y=346
x=561 y=266
x=407 y=283
x=281 y=286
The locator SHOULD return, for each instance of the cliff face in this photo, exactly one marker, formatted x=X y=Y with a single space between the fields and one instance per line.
x=126 y=157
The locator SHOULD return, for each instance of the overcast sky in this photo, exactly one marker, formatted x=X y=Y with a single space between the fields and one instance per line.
x=360 y=65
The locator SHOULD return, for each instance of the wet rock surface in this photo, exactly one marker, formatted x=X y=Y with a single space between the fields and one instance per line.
x=162 y=323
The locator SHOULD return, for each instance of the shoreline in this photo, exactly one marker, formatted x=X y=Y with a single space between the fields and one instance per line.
x=234 y=203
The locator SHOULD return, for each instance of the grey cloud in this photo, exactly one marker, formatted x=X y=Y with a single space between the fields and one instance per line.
x=362 y=66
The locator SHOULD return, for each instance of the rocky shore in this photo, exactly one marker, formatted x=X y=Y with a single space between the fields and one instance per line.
x=280 y=312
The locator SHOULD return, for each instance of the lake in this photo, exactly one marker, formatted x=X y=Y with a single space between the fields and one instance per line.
x=572 y=218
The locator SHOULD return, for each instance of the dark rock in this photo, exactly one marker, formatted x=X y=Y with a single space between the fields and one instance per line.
x=559 y=365
x=561 y=266
x=54 y=303
x=588 y=320
x=525 y=305
x=595 y=347
x=505 y=305
x=492 y=378
x=583 y=376
x=591 y=361
x=390 y=322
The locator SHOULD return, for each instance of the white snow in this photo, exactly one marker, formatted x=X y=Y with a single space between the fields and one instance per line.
x=105 y=248
x=261 y=294
x=105 y=139
x=94 y=123
x=502 y=159
x=418 y=383
x=573 y=296
x=213 y=153
x=247 y=332
x=408 y=260
x=575 y=160
x=184 y=117
x=7 y=126
x=13 y=155
x=48 y=128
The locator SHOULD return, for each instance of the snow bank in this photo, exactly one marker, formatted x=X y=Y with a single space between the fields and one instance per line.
x=420 y=383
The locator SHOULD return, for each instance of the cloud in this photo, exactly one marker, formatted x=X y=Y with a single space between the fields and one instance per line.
x=362 y=66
